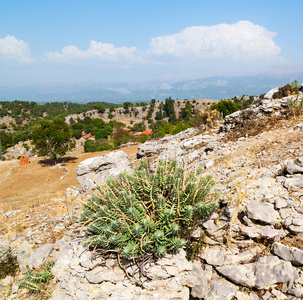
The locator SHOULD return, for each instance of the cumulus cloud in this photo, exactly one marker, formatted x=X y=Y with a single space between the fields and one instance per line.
x=14 y=49
x=240 y=41
x=97 y=51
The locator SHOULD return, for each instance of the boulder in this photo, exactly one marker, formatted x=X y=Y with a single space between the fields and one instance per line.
x=221 y=290
x=153 y=148
x=39 y=256
x=150 y=149
x=294 y=169
x=268 y=270
x=262 y=212
x=101 y=274
x=24 y=252
x=292 y=254
x=200 y=279
x=97 y=170
x=294 y=183
x=269 y=94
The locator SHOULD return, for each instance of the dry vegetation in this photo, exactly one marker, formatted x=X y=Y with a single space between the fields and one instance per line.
x=36 y=189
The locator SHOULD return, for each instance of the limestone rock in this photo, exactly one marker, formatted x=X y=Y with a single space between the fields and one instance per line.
x=97 y=170
x=262 y=212
x=100 y=274
x=7 y=281
x=39 y=256
x=24 y=252
x=294 y=183
x=11 y=213
x=292 y=169
x=200 y=279
x=244 y=296
x=221 y=290
x=257 y=231
x=292 y=254
x=269 y=94
x=297 y=291
x=240 y=274
x=268 y=270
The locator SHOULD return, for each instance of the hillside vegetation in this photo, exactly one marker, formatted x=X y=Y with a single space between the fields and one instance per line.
x=104 y=124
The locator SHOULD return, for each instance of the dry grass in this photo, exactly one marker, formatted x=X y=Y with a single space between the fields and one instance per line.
x=36 y=190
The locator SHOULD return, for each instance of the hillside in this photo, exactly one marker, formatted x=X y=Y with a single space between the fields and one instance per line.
x=251 y=247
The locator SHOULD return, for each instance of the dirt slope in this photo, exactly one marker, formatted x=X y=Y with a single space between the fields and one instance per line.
x=26 y=185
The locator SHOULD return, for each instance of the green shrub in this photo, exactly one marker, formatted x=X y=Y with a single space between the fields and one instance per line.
x=97 y=145
x=148 y=213
x=287 y=90
x=103 y=133
x=37 y=282
x=72 y=145
x=26 y=146
x=8 y=266
x=226 y=107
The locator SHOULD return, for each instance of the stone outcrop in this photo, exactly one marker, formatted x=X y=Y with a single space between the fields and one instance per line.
x=80 y=273
x=252 y=246
x=97 y=170
x=268 y=270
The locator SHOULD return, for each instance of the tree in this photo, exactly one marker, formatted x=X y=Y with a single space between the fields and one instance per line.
x=170 y=110
x=103 y=133
x=226 y=107
x=127 y=105
x=51 y=137
x=139 y=126
x=186 y=112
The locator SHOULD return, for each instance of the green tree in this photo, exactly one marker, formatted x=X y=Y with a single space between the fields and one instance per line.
x=139 y=126
x=226 y=107
x=120 y=137
x=51 y=137
x=127 y=105
x=170 y=110
x=98 y=123
x=103 y=133
x=186 y=112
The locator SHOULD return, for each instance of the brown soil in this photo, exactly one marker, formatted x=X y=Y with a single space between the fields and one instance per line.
x=24 y=186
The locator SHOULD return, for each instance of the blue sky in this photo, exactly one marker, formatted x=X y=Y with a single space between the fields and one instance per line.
x=92 y=41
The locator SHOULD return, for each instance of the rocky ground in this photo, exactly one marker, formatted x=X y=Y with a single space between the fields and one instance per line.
x=252 y=245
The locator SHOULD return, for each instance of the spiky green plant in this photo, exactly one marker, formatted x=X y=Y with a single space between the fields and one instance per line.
x=148 y=213
x=37 y=282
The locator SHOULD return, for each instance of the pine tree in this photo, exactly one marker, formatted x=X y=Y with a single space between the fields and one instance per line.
x=147 y=213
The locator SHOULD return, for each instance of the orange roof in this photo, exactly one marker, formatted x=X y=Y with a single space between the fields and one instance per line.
x=86 y=136
x=126 y=129
x=138 y=133
x=147 y=132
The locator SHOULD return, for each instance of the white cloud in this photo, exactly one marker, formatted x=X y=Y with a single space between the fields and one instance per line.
x=100 y=52
x=240 y=41
x=13 y=49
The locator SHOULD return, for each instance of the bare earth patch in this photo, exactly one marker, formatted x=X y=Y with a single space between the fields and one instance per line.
x=38 y=182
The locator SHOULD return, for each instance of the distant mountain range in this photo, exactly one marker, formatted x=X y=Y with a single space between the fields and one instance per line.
x=214 y=87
